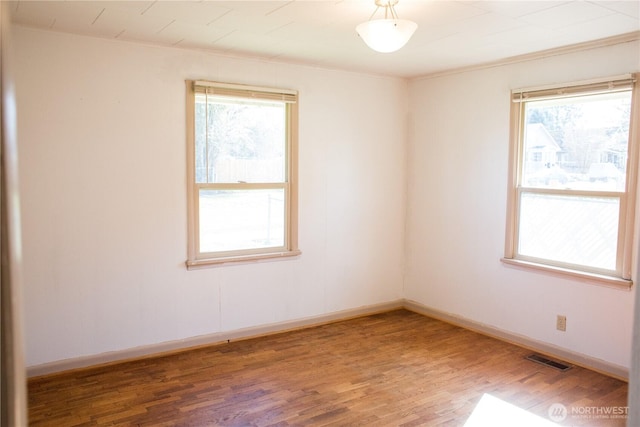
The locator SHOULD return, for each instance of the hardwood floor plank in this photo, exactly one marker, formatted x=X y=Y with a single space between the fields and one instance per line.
x=391 y=369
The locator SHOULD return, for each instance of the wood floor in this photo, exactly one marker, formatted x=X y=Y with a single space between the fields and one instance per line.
x=391 y=369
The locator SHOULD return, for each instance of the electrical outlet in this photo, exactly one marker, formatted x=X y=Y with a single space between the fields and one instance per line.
x=561 y=323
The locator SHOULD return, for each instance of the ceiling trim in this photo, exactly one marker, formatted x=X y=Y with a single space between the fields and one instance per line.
x=563 y=50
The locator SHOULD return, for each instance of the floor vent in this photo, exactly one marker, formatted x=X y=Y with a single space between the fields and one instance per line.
x=548 y=362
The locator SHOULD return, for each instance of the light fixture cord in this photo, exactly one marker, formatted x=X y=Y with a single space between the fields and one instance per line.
x=374 y=12
x=394 y=15
x=388 y=8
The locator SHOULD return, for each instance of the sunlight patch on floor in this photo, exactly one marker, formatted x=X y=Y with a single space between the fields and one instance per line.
x=491 y=411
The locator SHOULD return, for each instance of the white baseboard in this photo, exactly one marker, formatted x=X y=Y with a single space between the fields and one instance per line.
x=578 y=359
x=205 y=340
x=169 y=347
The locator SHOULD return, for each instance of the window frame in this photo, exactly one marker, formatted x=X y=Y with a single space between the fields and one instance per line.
x=197 y=259
x=622 y=278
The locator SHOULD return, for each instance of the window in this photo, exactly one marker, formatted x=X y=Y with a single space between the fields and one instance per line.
x=573 y=175
x=242 y=157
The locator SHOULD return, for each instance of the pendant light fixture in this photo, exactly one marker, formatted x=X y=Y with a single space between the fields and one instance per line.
x=388 y=34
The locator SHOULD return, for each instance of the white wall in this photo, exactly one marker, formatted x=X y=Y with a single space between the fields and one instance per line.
x=102 y=151
x=457 y=187
x=103 y=182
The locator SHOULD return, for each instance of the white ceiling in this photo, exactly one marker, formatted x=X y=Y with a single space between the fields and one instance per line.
x=451 y=34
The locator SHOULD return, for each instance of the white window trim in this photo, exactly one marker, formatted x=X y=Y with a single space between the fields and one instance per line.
x=627 y=232
x=195 y=259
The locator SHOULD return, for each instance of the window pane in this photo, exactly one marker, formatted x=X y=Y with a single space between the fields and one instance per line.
x=578 y=143
x=241 y=219
x=239 y=140
x=570 y=229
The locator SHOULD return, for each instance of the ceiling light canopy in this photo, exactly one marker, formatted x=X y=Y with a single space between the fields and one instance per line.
x=388 y=34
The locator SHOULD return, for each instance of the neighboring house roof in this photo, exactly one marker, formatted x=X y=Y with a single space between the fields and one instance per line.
x=537 y=138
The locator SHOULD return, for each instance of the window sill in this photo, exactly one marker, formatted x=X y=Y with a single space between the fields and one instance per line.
x=593 y=278
x=214 y=262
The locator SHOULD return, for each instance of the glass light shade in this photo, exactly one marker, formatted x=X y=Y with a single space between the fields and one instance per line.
x=386 y=35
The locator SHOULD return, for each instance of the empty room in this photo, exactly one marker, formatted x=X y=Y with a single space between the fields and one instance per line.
x=320 y=213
